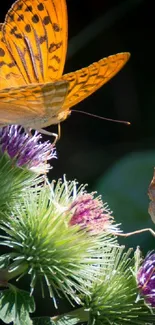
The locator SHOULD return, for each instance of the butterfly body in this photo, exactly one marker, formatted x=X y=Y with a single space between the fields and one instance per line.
x=33 y=45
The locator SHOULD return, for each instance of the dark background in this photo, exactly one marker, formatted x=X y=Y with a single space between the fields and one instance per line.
x=115 y=159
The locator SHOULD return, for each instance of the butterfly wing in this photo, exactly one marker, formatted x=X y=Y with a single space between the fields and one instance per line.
x=33 y=51
x=84 y=82
x=9 y=72
x=33 y=106
x=35 y=32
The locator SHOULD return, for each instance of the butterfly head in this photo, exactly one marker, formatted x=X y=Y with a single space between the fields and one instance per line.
x=63 y=115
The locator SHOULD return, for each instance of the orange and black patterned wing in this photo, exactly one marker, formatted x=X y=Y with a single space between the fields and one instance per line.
x=9 y=73
x=35 y=32
x=84 y=82
x=33 y=106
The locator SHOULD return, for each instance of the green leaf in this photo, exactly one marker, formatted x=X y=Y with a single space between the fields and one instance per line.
x=15 y=306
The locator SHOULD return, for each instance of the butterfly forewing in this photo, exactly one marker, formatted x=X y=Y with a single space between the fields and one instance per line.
x=33 y=106
x=35 y=32
x=57 y=37
x=84 y=82
x=9 y=72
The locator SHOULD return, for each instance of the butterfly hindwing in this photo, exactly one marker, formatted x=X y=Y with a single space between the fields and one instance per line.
x=35 y=32
x=84 y=82
x=33 y=106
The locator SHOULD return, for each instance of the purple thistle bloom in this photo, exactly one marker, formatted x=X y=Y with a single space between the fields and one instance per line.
x=146 y=279
x=91 y=213
x=27 y=150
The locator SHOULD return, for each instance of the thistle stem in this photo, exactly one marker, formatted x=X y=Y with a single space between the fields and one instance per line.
x=6 y=275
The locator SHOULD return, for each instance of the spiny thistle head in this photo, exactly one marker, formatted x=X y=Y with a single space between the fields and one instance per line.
x=26 y=150
x=46 y=246
x=113 y=298
x=86 y=210
x=146 y=279
x=23 y=164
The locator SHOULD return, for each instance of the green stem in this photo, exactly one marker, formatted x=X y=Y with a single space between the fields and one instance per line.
x=5 y=275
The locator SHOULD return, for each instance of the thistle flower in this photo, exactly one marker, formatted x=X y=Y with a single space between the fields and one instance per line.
x=27 y=151
x=87 y=211
x=113 y=298
x=91 y=213
x=146 y=279
x=45 y=246
x=22 y=165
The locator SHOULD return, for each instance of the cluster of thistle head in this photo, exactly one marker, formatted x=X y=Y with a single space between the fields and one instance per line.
x=59 y=232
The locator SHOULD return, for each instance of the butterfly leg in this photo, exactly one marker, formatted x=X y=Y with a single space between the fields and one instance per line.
x=59 y=131
x=55 y=135
x=135 y=232
x=28 y=131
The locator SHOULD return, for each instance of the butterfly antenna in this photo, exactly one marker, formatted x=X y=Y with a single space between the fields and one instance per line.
x=102 y=118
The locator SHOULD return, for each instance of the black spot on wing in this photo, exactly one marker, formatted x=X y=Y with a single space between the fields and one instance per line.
x=28 y=28
x=35 y=19
x=20 y=17
x=56 y=27
x=54 y=46
x=28 y=9
x=2 y=52
x=40 y=7
x=42 y=39
x=46 y=20
x=19 y=7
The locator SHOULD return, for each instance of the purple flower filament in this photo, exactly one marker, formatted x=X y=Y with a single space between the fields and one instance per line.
x=146 y=279
x=27 y=150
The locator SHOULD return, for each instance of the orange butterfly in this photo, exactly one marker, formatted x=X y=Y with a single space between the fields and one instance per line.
x=33 y=44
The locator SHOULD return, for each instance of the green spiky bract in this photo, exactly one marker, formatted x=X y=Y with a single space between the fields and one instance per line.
x=46 y=247
x=114 y=295
x=14 y=181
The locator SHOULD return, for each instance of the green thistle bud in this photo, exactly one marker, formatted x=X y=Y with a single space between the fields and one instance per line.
x=113 y=298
